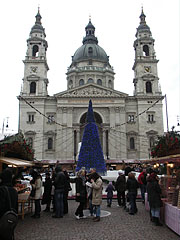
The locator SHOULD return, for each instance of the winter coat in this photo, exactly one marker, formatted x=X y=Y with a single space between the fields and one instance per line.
x=120 y=184
x=60 y=181
x=80 y=190
x=109 y=190
x=142 y=178
x=154 y=194
x=4 y=204
x=47 y=191
x=132 y=185
x=97 y=192
x=38 y=188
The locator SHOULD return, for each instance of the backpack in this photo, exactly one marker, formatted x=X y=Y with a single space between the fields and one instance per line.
x=8 y=221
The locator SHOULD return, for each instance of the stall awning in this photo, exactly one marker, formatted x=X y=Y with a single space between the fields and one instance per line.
x=16 y=162
x=167 y=159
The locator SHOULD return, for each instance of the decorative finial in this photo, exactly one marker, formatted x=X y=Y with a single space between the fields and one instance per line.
x=38 y=8
x=89 y=17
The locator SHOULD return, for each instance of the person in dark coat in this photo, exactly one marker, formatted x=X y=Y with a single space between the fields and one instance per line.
x=132 y=186
x=142 y=183
x=120 y=187
x=154 y=197
x=81 y=193
x=47 y=192
x=59 y=184
x=6 y=180
x=127 y=170
x=67 y=188
x=110 y=188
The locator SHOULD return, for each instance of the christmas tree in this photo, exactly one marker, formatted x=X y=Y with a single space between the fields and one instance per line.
x=91 y=155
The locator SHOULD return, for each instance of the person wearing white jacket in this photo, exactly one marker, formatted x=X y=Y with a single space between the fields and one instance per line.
x=38 y=193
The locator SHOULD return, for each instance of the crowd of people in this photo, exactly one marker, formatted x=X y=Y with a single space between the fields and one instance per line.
x=88 y=195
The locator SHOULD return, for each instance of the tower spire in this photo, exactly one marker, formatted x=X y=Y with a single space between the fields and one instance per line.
x=38 y=17
x=90 y=33
x=142 y=17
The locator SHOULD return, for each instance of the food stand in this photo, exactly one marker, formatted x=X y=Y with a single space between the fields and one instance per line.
x=170 y=186
x=24 y=201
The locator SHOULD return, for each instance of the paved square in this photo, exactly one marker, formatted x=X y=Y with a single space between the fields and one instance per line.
x=118 y=225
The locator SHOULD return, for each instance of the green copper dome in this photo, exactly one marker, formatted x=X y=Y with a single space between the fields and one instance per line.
x=90 y=51
x=90 y=48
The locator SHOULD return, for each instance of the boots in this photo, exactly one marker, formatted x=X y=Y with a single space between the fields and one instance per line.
x=96 y=219
x=152 y=219
x=157 y=222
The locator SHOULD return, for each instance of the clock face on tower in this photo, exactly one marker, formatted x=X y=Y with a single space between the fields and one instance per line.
x=147 y=69
x=34 y=69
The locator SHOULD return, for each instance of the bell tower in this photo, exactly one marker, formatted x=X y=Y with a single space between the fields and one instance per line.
x=35 y=80
x=146 y=81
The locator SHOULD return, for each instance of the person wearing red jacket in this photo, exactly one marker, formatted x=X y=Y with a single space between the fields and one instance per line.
x=142 y=183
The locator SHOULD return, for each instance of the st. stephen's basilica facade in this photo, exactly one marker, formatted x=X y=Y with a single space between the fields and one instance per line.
x=128 y=125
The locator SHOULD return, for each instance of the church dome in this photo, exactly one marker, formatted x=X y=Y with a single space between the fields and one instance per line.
x=90 y=51
x=90 y=48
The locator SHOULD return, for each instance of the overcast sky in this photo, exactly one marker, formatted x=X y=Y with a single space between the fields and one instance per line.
x=65 y=21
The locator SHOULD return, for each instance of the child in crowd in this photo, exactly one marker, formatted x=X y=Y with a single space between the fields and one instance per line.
x=110 y=188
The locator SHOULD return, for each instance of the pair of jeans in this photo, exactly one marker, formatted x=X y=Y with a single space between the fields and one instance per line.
x=37 y=207
x=59 y=205
x=143 y=190
x=155 y=212
x=132 y=201
x=121 y=195
x=91 y=207
x=109 y=201
x=98 y=210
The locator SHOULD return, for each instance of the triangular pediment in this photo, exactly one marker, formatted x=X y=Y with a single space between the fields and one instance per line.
x=152 y=132
x=91 y=90
x=33 y=77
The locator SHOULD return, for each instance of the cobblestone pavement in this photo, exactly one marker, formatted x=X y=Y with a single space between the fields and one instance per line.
x=119 y=225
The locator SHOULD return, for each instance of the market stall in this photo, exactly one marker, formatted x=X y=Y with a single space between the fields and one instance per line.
x=170 y=186
x=24 y=201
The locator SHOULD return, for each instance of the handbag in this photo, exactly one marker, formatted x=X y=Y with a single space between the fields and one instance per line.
x=33 y=191
x=8 y=221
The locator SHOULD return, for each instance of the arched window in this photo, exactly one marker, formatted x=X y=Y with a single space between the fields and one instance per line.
x=146 y=50
x=35 y=51
x=50 y=143
x=30 y=141
x=32 y=87
x=132 y=144
x=99 y=82
x=110 y=84
x=70 y=84
x=90 y=50
x=90 y=80
x=148 y=87
x=81 y=82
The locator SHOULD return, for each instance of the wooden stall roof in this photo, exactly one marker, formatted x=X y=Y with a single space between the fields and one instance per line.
x=166 y=159
x=16 y=162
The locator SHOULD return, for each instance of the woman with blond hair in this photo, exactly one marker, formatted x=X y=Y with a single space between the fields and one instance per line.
x=132 y=186
x=80 y=193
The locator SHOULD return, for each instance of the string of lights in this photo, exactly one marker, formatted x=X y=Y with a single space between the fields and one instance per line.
x=82 y=126
x=62 y=143
x=44 y=114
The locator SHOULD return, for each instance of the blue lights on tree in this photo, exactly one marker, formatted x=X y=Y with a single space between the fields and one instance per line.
x=91 y=154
